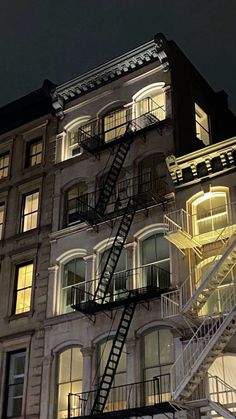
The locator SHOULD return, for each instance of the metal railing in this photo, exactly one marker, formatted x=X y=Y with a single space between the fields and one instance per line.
x=137 y=281
x=148 y=187
x=122 y=121
x=175 y=302
x=124 y=397
x=202 y=341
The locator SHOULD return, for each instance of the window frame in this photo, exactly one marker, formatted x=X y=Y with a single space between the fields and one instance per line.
x=148 y=92
x=198 y=112
x=23 y=215
x=28 y=156
x=17 y=267
x=63 y=264
x=3 y=155
x=64 y=147
x=2 y=224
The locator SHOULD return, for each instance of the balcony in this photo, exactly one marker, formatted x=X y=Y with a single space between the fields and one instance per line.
x=140 y=284
x=151 y=191
x=124 y=123
x=137 y=399
x=187 y=231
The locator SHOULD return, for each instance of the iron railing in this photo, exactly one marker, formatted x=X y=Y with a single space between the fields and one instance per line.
x=150 y=189
x=123 y=285
x=130 y=396
x=98 y=133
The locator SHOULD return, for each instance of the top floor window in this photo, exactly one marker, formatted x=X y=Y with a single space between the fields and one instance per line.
x=151 y=100
x=202 y=125
x=114 y=124
x=4 y=165
x=75 y=135
x=34 y=152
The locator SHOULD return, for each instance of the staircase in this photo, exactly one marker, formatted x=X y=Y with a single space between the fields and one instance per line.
x=113 y=174
x=203 y=348
x=113 y=359
x=181 y=300
x=115 y=251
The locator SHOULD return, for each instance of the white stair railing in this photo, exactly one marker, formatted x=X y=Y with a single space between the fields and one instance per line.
x=201 y=343
x=183 y=299
x=221 y=392
x=177 y=220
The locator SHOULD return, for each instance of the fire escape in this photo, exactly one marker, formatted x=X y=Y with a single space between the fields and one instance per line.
x=100 y=298
x=210 y=304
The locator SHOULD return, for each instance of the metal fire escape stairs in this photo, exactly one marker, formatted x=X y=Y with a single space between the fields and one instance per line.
x=216 y=329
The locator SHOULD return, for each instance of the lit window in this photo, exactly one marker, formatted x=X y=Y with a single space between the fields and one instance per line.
x=4 y=165
x=75 y=204
x=210 y=212
x=70 y=372
x=116 y=399
x=202 y=125
x=155 y=261
x=34 y=152
x=24 y=279
x=2 y=208
x=114 y=124
x=75 y=136
x=30 y=211
x=154 y=104
x=73 y=274
x=158 y=358
x=15 y=383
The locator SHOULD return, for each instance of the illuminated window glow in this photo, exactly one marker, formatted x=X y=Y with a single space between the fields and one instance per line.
x=202 y=125
x=4 y=165
x=30 y=211
x=115 y=124
x=24 y=288
x=70 y=371
x=210 y=212
x=2 y=208
x=34 y=152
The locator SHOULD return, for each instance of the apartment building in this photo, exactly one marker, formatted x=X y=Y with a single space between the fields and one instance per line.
x=143 y=197
x=26 y=188
x=118 y=245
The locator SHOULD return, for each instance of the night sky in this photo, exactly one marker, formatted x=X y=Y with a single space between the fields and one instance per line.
x=60 y=39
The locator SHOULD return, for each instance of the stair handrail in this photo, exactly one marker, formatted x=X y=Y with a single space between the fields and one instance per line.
x=187 y=359
x=223 y=390
x=183 y=225
x=171 y=300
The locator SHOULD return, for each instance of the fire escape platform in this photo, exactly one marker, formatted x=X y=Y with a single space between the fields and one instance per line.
x=125 y=297
x=182 y=240
x=155 y=409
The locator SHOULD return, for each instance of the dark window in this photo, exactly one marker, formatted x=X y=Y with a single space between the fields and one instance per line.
x=2 y=209
x=15 y=383
x=34 y=152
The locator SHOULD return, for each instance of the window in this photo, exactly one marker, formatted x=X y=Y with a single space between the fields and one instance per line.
x=151 y=100
x=210 y=212
x=2 y=208
x=116 y=399
x=75 y=135
x=73 y=274
x=24 y=280
x=15 y=383
x=34 y=152
x=4 y=165
x=155 y=261
x=118 y=286
x=202 y=125
x=74 y=204
x=69 y=380
x=158 y=358
x=152 y=174
x=114 y=124
x=30 y=211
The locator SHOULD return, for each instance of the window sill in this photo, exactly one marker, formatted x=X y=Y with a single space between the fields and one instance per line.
x=13 y=317
x=62 y=318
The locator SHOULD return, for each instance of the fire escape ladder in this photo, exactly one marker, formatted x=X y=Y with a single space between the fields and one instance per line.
x=113 y=173
x=113 y=359
x=115 y=251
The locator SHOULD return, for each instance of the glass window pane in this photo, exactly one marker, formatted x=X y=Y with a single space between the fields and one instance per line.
x=77 y=365
x=64 y=366
x=63 y=391
x=151 y=349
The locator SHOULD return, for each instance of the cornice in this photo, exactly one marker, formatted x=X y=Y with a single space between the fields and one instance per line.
x=139 y=57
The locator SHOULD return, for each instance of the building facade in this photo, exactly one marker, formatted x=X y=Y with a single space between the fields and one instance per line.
x=120 y=294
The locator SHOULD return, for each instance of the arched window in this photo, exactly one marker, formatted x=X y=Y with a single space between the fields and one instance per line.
x=151 y=100
x=118 y=286
x=74 y=203
x=116 y=399
x=73 y=273
x=155 y=261
x=114 y=124
x=157 y=358
x=75 y=133
x=69 y=379
x=210 y=211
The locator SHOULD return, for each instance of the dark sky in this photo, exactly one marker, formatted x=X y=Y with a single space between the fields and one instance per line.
x=60 y=39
